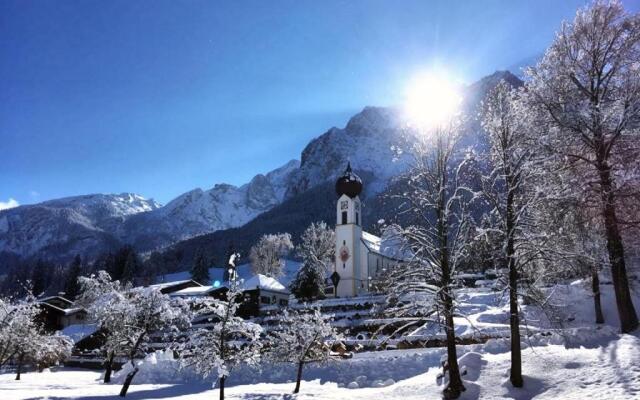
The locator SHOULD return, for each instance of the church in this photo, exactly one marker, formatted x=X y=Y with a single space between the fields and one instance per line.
x=359 y=254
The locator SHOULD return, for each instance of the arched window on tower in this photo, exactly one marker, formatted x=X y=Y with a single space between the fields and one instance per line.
x=344 y=218
x=357 y=218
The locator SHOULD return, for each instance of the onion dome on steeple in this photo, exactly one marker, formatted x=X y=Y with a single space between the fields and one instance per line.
x=349 y=183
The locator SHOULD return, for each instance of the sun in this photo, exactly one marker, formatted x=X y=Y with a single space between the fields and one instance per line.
x=431 y=99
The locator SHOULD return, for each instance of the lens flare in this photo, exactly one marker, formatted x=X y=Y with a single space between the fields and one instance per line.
x=431 y=99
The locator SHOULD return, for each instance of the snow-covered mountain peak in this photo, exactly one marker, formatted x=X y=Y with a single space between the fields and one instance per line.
x=373 y=119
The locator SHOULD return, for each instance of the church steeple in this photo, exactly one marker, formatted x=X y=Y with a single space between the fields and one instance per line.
x=349 y=250
x=349 y=183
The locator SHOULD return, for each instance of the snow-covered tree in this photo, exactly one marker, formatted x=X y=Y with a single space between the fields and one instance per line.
x=18 y=329
x=508 y=188
x=586 y=249
x=200 y=269
x=268 y=255
x=149 y=312
x=317 y=251
x=302 y=338
x=130 y=317
x=22 y=340
x=101 y=296
x=439 y=200
x=226 y=342
x=410 y=288
x=588 y=87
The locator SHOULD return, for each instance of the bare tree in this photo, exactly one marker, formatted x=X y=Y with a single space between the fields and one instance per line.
x=588 y=87
x=227 y=343
x=301 y=339
x=439 y=200
x=508 y=190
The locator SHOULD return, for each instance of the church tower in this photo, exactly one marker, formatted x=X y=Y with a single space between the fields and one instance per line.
x=348 y=263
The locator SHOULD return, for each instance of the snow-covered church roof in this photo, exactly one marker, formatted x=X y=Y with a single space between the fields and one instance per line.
x=389 y=245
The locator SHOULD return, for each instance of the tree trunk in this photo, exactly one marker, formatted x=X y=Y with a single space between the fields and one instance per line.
x=20 y=359
x=615 y=248
x=455 y=386
x=108 y=367
x=514 y=322
x=514 y=319
x=298 y=378
x=595 y=287
x=222 y=379
x=127 y=381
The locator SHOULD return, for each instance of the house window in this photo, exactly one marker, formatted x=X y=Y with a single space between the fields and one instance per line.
x=344 y=218
x=284 y=302
x=265 y=300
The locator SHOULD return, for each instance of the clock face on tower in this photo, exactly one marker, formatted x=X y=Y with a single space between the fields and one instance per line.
x=344 y=205
x=344 y=254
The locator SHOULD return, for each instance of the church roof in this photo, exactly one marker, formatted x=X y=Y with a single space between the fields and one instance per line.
x=390 y=245
x=371 y=241
x=349 y=183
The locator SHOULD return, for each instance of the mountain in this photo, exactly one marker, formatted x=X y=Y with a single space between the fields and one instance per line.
x=366 y=141
x=198 y=211
x=68 y=226
x=286 y=199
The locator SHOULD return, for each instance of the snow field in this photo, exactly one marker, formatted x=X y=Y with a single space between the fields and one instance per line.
x=607 y=369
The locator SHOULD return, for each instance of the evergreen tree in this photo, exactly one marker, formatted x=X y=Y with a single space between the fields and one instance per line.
x=308 y=283
x=200 y=269
x=39 y=277
x=131 y=266
x=71 y=285
x=317 y=251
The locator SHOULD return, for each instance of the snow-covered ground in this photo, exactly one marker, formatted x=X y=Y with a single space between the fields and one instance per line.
x=575 y=361
x=606 y=369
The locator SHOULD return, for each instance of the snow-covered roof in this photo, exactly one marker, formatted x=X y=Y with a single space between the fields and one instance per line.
x=371 y=241
x=389 y=245
x=65 y=311
x=193 y=291
x=263 y=282
x=165 y=285
x=79 y=331
x=48 y=300
x=259 y=281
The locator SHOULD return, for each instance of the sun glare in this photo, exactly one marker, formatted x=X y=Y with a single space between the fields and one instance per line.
x=431 y=99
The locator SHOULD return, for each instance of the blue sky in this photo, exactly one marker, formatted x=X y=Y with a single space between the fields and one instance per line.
x=160 y=97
